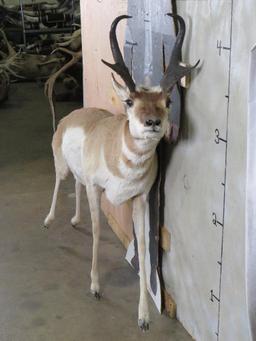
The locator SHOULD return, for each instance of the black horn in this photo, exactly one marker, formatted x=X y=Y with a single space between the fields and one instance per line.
x=175 y=71
x=119 y=67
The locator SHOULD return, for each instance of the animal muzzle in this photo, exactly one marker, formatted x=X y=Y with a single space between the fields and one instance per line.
x=153 y=123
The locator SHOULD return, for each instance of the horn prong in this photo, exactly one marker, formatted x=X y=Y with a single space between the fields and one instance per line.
x=174 y=71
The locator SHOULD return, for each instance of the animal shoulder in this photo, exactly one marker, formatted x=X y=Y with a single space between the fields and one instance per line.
x=91 y=118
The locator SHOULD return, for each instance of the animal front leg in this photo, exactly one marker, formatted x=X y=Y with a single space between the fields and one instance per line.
x=94 y=195
x=76 y=219
x=139 y=204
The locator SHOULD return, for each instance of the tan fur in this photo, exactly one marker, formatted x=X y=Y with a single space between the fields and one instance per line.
x=113 y=147
x=102 y=129
x=85 y=118
x=149 y=104
x=117 y=154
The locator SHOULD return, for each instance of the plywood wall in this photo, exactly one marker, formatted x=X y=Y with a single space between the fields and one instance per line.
x=96 y=20
x=206 y=180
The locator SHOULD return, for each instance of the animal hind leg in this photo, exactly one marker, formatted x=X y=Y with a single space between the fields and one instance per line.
x=94 y=195
x=51 y=214
x=76 y=219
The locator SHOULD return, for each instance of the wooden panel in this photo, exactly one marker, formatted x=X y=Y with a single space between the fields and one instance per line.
x=165 y=239
x=120 y=220
x=96 y=18
x=169 y=305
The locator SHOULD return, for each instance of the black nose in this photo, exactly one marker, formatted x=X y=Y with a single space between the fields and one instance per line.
x=150 y=123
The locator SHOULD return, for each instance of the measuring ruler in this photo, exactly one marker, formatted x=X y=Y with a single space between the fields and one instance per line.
x=219 y=222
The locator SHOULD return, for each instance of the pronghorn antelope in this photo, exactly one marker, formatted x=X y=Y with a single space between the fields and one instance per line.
x=117 y=153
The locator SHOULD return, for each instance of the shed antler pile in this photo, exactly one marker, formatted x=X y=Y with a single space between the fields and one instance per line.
x=117 y=153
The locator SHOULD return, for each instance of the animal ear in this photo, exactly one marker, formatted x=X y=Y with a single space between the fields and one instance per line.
x=122 y=91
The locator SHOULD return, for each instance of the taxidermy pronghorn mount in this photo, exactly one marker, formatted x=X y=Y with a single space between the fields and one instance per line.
x=117 y=153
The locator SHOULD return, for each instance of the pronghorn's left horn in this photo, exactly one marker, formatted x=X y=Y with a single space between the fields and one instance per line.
x=119 y=67
x=175 y=71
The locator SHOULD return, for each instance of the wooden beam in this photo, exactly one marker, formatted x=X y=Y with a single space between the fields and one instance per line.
x=169 y=305
x=117 y=229
x=165 y=239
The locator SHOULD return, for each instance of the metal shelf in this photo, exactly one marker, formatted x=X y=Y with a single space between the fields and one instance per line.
x=30 y=32
x=49 y=30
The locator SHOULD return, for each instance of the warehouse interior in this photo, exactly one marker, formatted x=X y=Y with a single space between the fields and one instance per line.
x=199 y=217
x=44 y=294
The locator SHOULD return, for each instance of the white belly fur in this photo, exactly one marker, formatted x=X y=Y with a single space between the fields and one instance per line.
x=118 y=190
x=72 y=143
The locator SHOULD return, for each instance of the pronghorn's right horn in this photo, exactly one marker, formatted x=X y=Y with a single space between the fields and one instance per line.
x=119 y=67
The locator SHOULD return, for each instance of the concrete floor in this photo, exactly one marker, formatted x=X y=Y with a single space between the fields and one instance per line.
x=44 y=274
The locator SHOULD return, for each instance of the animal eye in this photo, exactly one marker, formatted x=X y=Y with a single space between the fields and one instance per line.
x=168 y=102
x=129 y=102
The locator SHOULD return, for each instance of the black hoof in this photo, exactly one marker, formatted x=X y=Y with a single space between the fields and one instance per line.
x=46 y=227
x=143 y=324
x=96 y=295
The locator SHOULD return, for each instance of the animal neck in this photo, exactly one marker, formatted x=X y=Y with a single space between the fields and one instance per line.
x=137 y=150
